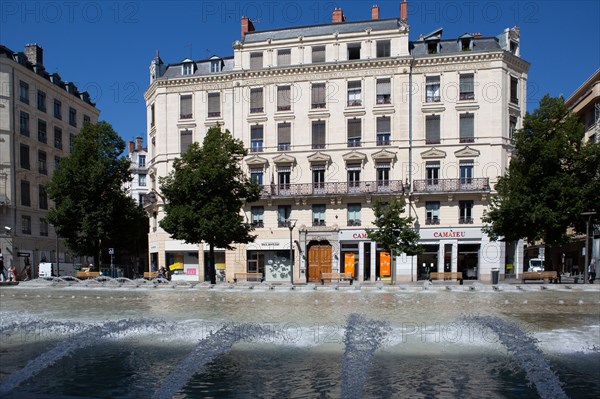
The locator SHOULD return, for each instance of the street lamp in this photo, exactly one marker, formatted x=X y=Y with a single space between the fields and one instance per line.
x=587 y=243
x=291 y=227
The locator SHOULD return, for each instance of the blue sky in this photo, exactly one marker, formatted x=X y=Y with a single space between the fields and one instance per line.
x=105 y=47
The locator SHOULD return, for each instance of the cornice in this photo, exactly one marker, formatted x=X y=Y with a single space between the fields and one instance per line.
x=433 y=153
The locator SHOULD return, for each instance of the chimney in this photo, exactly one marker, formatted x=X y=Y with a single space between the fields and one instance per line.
x=375 y=12
x=139 y=141
x=130 y=146
x=476 y=35
x=404 y=11
x=337 y=16
x=34 y=54
x=247 y=26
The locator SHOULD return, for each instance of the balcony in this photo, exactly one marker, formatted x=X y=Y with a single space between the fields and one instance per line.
x=354 y=103
x=331 y=189
x=258 y=224
x=318 y=105
x=465 y=220
x=432 y=221
x=213 y=114
x=354 y=222
x=466 y=96
x=317 y=222
x=257 y=110
x=451 y=185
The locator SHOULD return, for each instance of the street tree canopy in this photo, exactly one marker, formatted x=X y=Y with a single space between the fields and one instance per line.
x=394 y=232
x=87 y=190
x=205 y=192
x=553 y=176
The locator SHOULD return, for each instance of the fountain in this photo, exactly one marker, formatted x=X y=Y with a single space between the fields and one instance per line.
x=121 y=338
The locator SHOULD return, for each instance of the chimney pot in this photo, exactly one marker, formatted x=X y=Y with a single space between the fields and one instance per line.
x=375 y=12
x=404 y=11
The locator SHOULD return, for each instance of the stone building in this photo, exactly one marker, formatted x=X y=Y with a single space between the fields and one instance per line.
x=335 y=117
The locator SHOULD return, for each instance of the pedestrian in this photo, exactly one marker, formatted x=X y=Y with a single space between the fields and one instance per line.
x=592 y=271
x=12 y=273
x=2 y=270
x=161 y=272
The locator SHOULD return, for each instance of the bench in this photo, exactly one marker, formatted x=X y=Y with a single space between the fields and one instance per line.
x=150 y=275
x=84 y=275
x=446 y=276
x=547 y=276
x=337 y=276
x=249 y=276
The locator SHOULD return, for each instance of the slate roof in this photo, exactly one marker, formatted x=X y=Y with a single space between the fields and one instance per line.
x=202 y=68
x=325 y=29
x=452 y=46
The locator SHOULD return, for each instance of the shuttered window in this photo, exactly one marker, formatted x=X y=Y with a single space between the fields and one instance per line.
x=318 y=54
x=318 y=134
x=383 y=130
x=318 y=96
x=467 y=86
x=432 y=129
x=284 y=136
x=467 y=128
x=214 y=105
x=354 y=132
x=256 y=100
x=185 y=106
x=384 y=91
x=186 y=140
x=354 y=93
x=256 y=60
x=284 y=57
x=284 y=98
x=256 y=138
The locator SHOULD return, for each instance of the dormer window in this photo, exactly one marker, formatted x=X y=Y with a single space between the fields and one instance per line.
x=466 y=44
x=216 y=64
x=354 y=51
x=187 y=67
x=514 y=47
x=433 y=47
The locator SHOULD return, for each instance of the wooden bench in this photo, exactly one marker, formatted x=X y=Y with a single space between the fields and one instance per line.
x=248 y=277
x=336 y=276
x=84 y=275
x=547 y=276
x=150 y=275
x=446 y=276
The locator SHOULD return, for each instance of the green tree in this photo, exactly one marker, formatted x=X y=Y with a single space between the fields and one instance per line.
x=205 y=192
x=87 y=190
x=394 y=232
x=552 y=177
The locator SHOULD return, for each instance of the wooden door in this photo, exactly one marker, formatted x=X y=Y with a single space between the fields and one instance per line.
x=319 y=261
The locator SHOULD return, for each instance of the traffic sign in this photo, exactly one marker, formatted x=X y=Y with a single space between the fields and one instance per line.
x=111 y=251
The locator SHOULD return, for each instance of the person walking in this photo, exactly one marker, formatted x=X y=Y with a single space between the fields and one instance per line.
x=2 y=270
x=12 y=273
x=592 y=271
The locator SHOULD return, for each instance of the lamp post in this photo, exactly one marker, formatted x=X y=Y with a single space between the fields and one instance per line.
x=291 y=227
x=587 y=243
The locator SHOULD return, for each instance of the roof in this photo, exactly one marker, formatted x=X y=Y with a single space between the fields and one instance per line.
x=325 y=29
x=202 y=67
x=452 y=46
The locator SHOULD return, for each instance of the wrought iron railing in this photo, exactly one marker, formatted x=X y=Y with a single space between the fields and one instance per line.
x=451 y=185
x=332 y=188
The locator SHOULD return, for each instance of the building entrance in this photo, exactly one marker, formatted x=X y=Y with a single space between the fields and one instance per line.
x=319 y=260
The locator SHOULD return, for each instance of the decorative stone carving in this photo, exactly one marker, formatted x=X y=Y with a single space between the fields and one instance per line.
x=466 y=152
x=319 y=157
x=354 y=156
x=383 y=155
x=284 y=159
x=433 y=153
x=255 y=160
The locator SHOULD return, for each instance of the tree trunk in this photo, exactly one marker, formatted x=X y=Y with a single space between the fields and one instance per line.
x=211 y=265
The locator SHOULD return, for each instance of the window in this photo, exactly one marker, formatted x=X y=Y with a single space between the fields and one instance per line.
x=152 y=115
x=353 y=214
x=185 y=106
x=25 y=224
x=186 y=137
x=432 y=172
x=43 y=227
x=384 y=91
x=43 y=166
x=256 y=138
x=432 y=129
x=25 y=194
x=258 y=213
x=466 y=44
x=73 y=117
x=354 y=51
x=214 y=105
x=318 y=98
x=41 y=101
x=514 y=90
x=71 y=142
x=154 y=221
x=433 y=47
x=57 y=109
x=256 y=60
x=284 y=212
x=187 y=68
x=383 y=176
x=284 y=136
x=42 y=197
x=432 y=212
x=24 y=92
x=142 y=180
x=256 y=100
x=354 y=93
x=215 y=66
x=466 y=212
x=42 y=136
x=24 y=123
x=467 y=87
x=467 y=128
x=24 y=156
x=58 y=143
x=56 y=162
x=383 y=130
x=318 y=212
x=512 y=128
x=256 y=176
x=466 y=172
x=318 y=54
x=353 y=171
x=284 y=98
x=318 y=178
x=86 y=118
x=354 y=132
x=318 y=134
x=284 y=57
x=141 y=161
x=432 y=89
x=383 y=48
x=283 y=178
